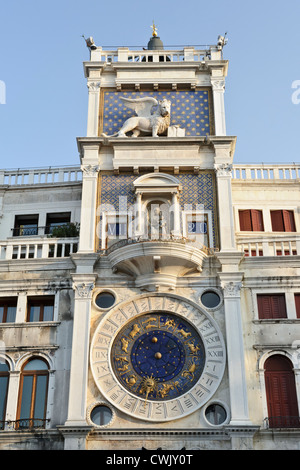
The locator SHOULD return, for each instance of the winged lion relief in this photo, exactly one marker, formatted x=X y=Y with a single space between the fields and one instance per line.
x=152 y=117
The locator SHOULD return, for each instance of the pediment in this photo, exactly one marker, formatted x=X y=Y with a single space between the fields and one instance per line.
x=156 y=180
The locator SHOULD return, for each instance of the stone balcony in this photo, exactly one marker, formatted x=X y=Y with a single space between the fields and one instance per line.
x=157 y=262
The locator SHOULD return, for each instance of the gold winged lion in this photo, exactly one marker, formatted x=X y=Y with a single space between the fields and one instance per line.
x=147 y=121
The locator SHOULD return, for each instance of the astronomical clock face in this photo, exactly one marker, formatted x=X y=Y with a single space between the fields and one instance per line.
x=158 y=357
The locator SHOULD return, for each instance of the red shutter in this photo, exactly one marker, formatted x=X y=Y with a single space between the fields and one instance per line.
x=271 y=306
x=289 y=222
x=245 y=220
x=297 y=302
x=281 y=392
x=264 y=306
x=277 y=221
x=278 y=306
x=257 y=221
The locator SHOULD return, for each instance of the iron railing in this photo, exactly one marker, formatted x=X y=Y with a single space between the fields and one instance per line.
x=272 y=422
x=25 y=424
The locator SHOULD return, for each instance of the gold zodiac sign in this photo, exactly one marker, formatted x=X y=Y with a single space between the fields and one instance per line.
x=190 y=372
x=185 y=334
x=125 y=343
x=194 y=349
x=170 y=323
x=122 y=359
x=149 y=325
x=124 y=368
x=135 y=330
x=164 y=391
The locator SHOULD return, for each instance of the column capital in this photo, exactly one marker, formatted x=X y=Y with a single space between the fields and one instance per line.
x=223 y=169
x=84 y=285
x=231 y=284
x=90 y=170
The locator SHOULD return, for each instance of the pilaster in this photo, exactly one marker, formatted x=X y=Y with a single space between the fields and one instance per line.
x=218 y=88
x=83 y=285
x=89 y=205
x=231 y=282
x=93 y=107
x=224 y=148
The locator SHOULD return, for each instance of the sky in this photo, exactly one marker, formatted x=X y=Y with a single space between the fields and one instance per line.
x=43 y=92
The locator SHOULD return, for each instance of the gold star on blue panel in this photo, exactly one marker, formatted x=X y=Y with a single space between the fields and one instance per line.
x=190 y=110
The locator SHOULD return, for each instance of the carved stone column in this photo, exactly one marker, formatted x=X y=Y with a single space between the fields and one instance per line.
x=232 y=283
x=83 y=285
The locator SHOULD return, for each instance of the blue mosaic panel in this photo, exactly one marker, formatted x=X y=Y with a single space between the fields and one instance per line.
x=189 y=109
x=117 y=193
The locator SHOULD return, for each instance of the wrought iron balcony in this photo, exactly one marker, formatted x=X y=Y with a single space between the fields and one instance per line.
x=27 y=424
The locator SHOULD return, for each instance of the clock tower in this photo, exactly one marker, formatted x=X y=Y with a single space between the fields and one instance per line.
x=157 y=353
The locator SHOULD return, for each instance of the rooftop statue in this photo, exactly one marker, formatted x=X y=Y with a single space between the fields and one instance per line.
x=147 y=121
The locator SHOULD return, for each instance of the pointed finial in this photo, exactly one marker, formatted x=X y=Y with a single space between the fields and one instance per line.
x=154 y=29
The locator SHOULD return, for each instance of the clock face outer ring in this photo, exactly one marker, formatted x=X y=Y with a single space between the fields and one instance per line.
x=144 y=406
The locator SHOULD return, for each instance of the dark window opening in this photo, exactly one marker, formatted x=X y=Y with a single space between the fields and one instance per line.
x=58 y=219
x=26 y=225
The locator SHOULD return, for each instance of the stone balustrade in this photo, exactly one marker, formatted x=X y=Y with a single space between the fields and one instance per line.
x=33 y=176
x=265 y=172
x=33 y=248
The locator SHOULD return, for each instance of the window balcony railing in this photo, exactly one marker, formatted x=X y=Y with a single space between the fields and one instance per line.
x=27 y=424
x=35 y=230
x=269 y=245
x=282 y=422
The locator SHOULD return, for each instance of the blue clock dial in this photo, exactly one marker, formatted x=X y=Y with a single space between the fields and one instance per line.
x=158 y=356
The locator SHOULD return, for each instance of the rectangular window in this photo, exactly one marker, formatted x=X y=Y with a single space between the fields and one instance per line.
x=271 y=306
x=283 y=221
x=8 y=309
x=26 y=225
x=297 y=304
x=40 y=308
x=251 y=220
x=55 y=220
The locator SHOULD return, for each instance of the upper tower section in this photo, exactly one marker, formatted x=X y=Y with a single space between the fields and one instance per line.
x=191 y=79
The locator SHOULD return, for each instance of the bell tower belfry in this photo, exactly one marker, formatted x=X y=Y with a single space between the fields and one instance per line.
x=157 y=280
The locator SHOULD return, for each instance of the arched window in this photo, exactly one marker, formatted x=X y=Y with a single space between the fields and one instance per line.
x=281 y=392
x=4 y=377
x=33 y=394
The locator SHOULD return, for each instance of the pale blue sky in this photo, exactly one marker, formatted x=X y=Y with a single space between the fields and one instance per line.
x=42 y=51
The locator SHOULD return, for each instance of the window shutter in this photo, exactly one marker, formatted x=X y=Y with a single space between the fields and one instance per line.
x=264 y=306
x=271 y=306
x=245 y=220
x=278 y=306
x=257 y=221
x=277 y=221
x=288 y=219
x=297 y=303
x=281 y=392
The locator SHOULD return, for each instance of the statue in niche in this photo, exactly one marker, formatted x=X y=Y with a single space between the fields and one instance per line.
x=153 y=117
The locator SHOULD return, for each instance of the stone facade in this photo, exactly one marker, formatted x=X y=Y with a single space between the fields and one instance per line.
x=163 y=322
